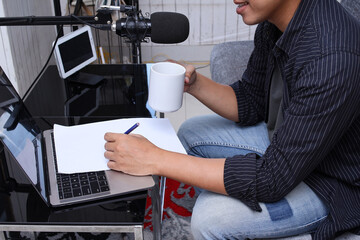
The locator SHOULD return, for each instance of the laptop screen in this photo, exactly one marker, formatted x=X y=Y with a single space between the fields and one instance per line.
x=20 y=134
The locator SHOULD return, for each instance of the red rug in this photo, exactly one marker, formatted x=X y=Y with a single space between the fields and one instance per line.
x=178 y=203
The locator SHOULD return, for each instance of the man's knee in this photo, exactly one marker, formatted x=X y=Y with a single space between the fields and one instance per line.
x=208 y=221
x=190 y=124
x=202 y=225
x=194 y=130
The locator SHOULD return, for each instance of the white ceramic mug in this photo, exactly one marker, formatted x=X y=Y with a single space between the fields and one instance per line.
x=166 y=86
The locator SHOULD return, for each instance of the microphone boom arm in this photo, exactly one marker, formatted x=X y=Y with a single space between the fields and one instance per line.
x=162 y=27
x=54 y=20
x=103 y=17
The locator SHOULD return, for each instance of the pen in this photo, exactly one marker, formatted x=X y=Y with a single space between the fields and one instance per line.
x=132 y=128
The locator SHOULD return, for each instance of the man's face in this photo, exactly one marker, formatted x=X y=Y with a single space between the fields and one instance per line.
x=256 y=11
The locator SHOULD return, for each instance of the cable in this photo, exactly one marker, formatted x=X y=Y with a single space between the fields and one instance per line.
x=44 y=67
x=205 y=66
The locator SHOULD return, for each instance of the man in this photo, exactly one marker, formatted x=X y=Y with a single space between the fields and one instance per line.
x=298 y=172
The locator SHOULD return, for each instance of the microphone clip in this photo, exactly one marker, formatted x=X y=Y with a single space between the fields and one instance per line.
x=127 y=9
x=135 y=27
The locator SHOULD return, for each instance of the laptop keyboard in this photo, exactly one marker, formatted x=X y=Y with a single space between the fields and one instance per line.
x=81 y=184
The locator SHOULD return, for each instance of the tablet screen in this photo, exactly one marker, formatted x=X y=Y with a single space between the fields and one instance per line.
x=74 y=51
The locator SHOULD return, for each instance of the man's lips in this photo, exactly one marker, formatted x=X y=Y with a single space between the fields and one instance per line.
x=241 y=3
x=241 y=6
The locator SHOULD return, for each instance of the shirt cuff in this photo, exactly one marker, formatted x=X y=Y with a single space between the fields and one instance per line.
x=240 y=179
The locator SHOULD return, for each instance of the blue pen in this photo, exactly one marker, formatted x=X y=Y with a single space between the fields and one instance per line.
x=132 y=128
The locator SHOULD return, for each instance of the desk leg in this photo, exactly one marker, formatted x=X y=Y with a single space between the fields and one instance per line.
x=138 y=233
x=2 y=236
x=156 y=209
x=158 y=195
x=162 y=196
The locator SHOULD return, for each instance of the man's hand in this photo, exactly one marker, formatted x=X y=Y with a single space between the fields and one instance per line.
x=132 y=154
x=190 y=75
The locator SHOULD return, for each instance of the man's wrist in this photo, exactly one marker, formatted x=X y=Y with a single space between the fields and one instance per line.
x=158 y=162
x=196 y=85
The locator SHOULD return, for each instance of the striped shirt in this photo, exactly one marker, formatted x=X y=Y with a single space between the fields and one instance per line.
x=318 y=141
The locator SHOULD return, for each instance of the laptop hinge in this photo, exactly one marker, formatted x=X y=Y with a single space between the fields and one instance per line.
x=41 y=139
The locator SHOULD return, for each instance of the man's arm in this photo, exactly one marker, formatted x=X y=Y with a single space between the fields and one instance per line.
x=218 y=97
x=135 y=155
x=322 y=107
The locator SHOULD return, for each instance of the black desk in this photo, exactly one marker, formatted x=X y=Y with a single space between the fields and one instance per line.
x=120 y=91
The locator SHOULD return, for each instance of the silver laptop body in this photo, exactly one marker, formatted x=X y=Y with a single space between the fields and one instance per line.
x=119 y=183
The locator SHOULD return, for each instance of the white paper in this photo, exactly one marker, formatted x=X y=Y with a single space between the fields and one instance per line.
x=80 y=148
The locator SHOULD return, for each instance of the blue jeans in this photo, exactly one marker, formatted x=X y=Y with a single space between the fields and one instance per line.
x=217 y=216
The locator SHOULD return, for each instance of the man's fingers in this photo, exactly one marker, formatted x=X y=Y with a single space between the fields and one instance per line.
x=110 y=137
x=109 y=155
x=111 y=164
x=110 y=146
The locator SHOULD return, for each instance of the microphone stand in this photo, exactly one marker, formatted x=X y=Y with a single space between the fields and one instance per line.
x=102 y=17
x=54 y=20
x=136 y=46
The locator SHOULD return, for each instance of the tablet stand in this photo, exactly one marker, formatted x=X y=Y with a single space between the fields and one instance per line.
x=86 y=79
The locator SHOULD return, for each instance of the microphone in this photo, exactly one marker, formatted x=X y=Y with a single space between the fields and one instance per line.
x=167 y=27
x=162 y=27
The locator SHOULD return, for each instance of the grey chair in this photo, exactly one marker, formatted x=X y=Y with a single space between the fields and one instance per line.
x=228 y=62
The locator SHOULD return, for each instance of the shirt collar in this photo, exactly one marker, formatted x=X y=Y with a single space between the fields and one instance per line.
x=289 y=38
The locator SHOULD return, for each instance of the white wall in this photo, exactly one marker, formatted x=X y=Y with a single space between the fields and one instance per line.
x=25 y=49
x=211 y=22
x=6 y=61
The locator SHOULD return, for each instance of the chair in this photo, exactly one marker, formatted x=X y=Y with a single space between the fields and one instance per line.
x=228 y=60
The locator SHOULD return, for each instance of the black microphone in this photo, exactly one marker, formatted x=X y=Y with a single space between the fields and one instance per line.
x=168 y=27
x=162 y=27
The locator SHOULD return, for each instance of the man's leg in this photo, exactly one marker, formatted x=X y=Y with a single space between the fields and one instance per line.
x=212 y=136
x=217 y=216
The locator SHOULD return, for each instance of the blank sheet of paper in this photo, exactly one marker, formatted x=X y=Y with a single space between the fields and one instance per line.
x=81 y=148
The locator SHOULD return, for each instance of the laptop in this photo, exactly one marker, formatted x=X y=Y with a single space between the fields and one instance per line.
x=33 y=150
